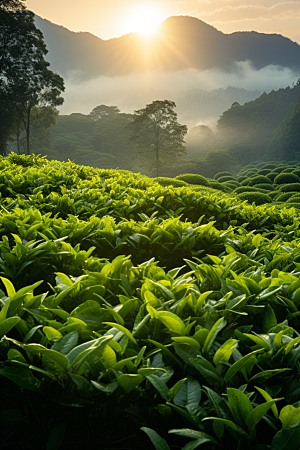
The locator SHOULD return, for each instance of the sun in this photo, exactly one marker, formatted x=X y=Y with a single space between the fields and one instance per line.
x=145 y=20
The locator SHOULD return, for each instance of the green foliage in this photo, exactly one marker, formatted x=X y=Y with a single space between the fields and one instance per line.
x=291 y=187
x=280 y=197
x=259 y=179
x=265 y=186
x=219 y=186
x=165 y=181
x=192 y=178
x=257 y=198
x=286 y=178
x=226 y=178
x=120 y=296
x=222 y=174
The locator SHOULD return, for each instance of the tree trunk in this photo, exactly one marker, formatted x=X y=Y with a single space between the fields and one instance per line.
x=28 y=132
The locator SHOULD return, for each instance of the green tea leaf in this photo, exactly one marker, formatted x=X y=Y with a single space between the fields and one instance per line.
x=129 y=381
x=218 y=326
x=238 y=365
x=123 y=329
x=240 y=405
x=289 y=416
x=225 y=351
x=286 y=439
x=158 y=442
x=257 y=414
x=21 y=376
x=66 y=343
x=7 y=324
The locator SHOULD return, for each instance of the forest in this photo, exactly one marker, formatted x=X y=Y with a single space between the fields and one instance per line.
x=264 y=129
x=154 y=310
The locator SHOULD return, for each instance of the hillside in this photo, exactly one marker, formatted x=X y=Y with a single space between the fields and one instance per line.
x=180 y=44
x=256 y=121
x=125 y=302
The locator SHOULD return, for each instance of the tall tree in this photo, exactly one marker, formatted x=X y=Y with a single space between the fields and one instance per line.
x=156 y=132
x=25 y=79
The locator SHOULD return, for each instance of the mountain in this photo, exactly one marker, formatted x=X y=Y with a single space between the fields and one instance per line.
x=182 y=42
x=257 y=121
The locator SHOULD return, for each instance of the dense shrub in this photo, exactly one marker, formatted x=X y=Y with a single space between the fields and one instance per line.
x=219 y=186
x=255 y=197
x=294 y=205
x=232 y=183
x=283 y=197
x=269 y=166
x=241 y=178
x=226 y=178
x=251 y=173
x=193 y=178
x=290 y=187
x=272 y=175
x=286 y=178
x=258 y=180
x=267 y=186
x=272 y=194
x=263 y=171
x=296 y=172
x=164 y=181
x=293 y=200
x=289 y=169
x=279 y=169
x=222 y=174
x=242 y=189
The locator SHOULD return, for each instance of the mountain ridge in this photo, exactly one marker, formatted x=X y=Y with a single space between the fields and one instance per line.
x=183 y=42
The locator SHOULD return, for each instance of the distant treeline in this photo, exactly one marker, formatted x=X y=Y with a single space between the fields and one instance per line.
x=267 y=128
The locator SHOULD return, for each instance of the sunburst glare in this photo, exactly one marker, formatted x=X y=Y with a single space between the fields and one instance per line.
x=145 y=20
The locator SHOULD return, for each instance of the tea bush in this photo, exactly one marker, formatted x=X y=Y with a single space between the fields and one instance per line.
x=266 y=186
x=272 y=175
x=255 y=197
x=192 y=178
x=259 y=179
x=291 y=187
x=219 y=186
x=286 y=178
x=164 y=181
x=126 y=304
x=226 y=178
x=222 y=174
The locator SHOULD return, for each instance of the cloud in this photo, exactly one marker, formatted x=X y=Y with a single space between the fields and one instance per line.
x=283 y=10
x=135 y=91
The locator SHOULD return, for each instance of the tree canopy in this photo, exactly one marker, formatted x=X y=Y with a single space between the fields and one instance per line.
x=156 y=132
x=25 y=79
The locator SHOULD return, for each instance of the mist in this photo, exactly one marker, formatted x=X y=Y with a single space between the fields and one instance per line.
x=134 y=91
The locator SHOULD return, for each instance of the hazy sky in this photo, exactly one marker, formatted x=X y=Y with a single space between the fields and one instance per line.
x=110 y=18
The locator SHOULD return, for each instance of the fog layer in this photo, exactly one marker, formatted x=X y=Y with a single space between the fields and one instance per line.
x=185 y=87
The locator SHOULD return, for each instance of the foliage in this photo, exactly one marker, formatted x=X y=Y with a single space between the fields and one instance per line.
x=259 y=179
x=25 y=79
x=266 y=186
x=286 y=178
x=192 y=178
x=226 y=178
x=222 y=174
x=290 y=187
x=122 y=298
x=156 y=132
x=255 y=197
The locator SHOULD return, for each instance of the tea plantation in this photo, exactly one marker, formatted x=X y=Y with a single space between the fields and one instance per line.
x=138 y=314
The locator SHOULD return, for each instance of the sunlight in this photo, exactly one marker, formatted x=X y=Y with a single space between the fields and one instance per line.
x=145 y=20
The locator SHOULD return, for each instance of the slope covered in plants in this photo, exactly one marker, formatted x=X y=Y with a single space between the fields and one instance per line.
x=126 y=305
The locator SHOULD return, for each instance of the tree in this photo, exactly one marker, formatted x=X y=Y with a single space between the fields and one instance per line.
x=25 y=79
x=156 y=132
x=104 y=111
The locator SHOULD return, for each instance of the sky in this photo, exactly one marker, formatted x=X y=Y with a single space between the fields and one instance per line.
x=111 y=18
